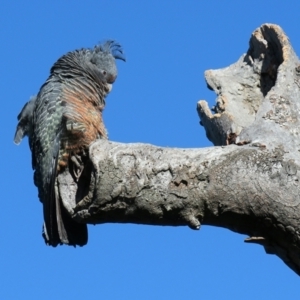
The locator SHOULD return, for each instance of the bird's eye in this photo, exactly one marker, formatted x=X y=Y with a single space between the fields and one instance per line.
x=104 y=72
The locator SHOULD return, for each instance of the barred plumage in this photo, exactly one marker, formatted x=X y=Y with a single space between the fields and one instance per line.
x=64 y=119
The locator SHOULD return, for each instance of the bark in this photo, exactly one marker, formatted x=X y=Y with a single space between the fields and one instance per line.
x=248 y=182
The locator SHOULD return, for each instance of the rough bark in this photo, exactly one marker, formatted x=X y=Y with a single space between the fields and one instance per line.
x=248 y=183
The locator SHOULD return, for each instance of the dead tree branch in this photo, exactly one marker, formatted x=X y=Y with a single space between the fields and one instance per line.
x=248 y=183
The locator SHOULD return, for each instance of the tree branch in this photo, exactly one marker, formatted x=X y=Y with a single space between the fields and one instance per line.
x=250 y=187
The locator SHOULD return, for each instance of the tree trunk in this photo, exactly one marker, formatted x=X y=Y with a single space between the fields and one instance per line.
x=248 y=183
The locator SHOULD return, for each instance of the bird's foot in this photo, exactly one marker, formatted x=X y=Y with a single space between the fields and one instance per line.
x=78 y=166
x=86 y=201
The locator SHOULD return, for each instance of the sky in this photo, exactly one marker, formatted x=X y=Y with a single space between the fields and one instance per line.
x=168 y=46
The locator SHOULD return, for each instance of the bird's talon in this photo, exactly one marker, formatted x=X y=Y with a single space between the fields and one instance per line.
x=82 y=204
x=77 y=167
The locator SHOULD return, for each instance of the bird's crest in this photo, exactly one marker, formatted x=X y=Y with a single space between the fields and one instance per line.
x=112 y=47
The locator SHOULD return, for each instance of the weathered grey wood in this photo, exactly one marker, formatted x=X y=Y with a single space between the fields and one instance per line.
x=249 y=183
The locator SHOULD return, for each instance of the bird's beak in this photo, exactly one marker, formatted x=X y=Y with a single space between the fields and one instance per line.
x=111 y=79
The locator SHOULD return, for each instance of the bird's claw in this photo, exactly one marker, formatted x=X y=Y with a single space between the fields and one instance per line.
x=78 y=166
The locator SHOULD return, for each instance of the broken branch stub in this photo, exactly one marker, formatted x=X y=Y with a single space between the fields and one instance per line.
x=254 y=93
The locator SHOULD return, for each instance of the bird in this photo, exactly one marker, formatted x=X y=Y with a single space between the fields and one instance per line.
x=61 y=121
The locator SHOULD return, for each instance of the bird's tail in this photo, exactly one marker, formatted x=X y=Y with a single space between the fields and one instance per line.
x=59 y=227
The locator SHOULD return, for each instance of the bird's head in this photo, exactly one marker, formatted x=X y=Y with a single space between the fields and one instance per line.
x=104 y=56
